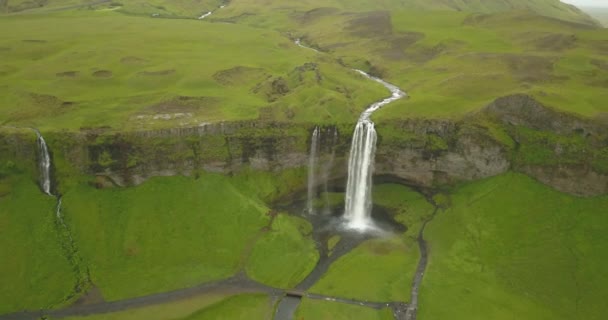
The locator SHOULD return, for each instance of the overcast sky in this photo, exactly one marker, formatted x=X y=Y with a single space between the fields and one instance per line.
x=588 y=3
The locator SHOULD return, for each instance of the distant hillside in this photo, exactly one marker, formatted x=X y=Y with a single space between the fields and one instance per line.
x=175 y=8
x=193 y=8
x=600 y=14
x=551 y=8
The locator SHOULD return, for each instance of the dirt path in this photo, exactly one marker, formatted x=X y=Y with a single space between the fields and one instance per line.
x=234 y=285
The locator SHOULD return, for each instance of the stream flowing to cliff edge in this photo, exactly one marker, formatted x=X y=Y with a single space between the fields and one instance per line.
x=358 y=202
x=208 y=13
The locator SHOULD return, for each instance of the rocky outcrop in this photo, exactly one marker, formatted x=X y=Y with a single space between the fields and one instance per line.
x=524 y=110
x=432 y=153
x=559 y=149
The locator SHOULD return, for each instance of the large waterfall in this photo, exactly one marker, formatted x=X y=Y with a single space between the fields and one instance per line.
x=44 y=164
x=361 y=162
x=312 y=170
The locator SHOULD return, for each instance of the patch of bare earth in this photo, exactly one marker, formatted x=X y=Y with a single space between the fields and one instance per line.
x=371 y=24
x=25 y=5
x=67 y=74
x=182 y=104
x=523 y=67
x=398 y=44
x=240 y=75
x=102 y=74
x=601 y=64
x=34 y=41
x=601 y=46
x=132 y=60
x=92 y=296
x=554 y=41
x=6 y=70
x=314 y=14
x=423 y=54
x=157 y=73
x=235 y=19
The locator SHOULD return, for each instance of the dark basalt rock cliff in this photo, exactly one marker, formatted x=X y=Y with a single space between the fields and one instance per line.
x=512 y=133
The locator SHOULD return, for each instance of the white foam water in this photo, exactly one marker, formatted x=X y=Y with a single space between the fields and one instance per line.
x=44 y=164
x=358 y=200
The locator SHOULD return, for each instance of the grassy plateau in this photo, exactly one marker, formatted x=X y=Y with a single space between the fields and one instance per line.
x=91 y=75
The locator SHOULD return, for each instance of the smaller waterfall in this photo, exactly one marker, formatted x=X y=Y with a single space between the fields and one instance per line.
x=208 y=13
x=312 y=170
x=327 y=170
x=44 y=164
x=205 y=15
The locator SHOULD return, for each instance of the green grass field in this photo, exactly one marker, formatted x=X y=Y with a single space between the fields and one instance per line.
x=166 y=234
x=34 y=272
x=241 y=307
x=164 y=73
x=511 y=248
x=285 y=255
x=388 y=278
x=451 y=63
x=155 y=72
x=322 y=310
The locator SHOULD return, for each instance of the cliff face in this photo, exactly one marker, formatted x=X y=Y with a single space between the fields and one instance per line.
x=558 y=149
x=513 y=133
x=440 y=153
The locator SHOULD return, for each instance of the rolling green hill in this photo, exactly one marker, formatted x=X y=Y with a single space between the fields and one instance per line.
x=551 y=8
x=187 y=8
x=456 y=62
x=174 y=8
x=600 y=14
x=89 y=73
